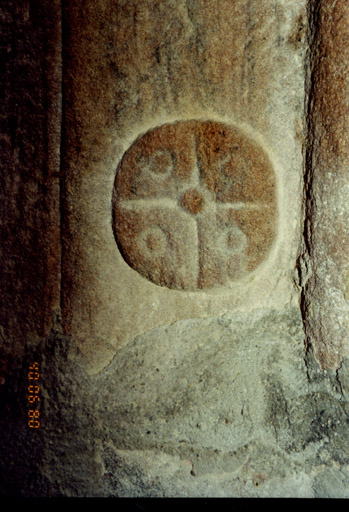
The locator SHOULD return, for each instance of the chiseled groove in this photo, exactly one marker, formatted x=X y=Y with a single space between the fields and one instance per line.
x=161 y=202
x=243 y=206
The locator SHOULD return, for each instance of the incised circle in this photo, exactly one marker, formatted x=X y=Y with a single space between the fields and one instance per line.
x=194 y=205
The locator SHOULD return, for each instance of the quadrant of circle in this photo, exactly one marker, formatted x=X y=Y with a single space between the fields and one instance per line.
x=142 y=172
x=161 y=244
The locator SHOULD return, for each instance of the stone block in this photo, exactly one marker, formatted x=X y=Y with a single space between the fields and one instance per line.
x=182 y=164
x=174 y=259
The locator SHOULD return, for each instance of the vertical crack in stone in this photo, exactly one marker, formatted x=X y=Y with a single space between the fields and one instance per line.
x=58 y=316
x=307 y=199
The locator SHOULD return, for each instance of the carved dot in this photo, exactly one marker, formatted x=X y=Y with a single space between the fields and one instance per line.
x=160 y=163
x=192 y=201
x=152 y=241
x=219 y=176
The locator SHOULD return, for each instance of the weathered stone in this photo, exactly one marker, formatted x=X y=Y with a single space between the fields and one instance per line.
x=141 y=80
x=176 y=415
x=31 y=77
x=177 y=364
x=326 y=306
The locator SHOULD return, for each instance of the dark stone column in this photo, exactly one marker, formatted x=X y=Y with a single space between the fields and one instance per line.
x=326 y=296
x=30 y=163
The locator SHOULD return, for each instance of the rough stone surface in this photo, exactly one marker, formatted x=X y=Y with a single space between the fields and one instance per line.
x=133 y=72
x=31 y=78
x=169 y=356
x=174 y=415
x=326 y=304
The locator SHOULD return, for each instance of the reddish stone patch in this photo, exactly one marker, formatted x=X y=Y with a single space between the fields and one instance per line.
x=194 y=205
x=192 y=201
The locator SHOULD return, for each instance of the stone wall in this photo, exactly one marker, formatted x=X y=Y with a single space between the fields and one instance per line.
x=174 y=267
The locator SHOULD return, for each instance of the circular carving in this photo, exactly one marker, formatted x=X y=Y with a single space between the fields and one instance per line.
x=194 y=205
x=152 y=241
x=160 y=163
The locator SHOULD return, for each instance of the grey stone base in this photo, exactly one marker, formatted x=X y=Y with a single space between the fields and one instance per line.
x=227 y=406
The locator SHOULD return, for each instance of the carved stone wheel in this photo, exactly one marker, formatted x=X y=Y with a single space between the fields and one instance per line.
x=194 y=205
